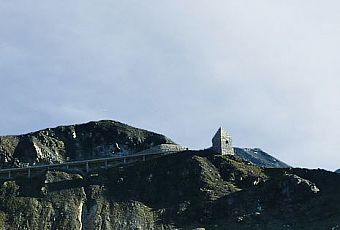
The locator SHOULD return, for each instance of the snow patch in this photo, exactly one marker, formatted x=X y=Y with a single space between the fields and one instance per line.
x=74 y=135
x=80 y=213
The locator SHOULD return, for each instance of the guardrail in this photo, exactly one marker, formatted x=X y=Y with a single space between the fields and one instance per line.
x=88 y=165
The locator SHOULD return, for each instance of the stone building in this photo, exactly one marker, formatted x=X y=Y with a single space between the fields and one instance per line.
x=222 y=143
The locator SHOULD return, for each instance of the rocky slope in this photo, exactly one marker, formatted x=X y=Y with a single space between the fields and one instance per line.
x=84 y=141
x=186 y=190
x=93 y=140
x=337 y=171
x=259 y=157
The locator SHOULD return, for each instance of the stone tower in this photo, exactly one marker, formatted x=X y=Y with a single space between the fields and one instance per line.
x=222 y=143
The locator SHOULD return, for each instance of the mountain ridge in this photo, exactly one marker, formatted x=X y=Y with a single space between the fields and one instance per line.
x=184 y=190
x=259 y=157
x=80 y=141
x=96 y=139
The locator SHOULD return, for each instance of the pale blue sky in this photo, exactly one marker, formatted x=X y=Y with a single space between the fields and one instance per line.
x=267 y=71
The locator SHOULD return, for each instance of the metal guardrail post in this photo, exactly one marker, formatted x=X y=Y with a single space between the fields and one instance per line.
x=143 y=157
x=87 y=167
x=124 y=160
x=105 y=164
x=29 y=172
x=9 y=174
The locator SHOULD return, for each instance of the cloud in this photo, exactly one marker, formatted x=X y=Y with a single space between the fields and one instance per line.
x=265 y=70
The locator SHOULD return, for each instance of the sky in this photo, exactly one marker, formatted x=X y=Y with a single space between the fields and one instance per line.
x=267 y=71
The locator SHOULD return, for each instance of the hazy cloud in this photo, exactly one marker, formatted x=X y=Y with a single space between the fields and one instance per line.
x=266 y=70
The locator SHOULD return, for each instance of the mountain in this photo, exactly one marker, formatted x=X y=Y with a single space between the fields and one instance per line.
x=187 y=190
x=184 y=190
x=337 y=171
x=76 y=142
x=259 y=157
x=94 y=140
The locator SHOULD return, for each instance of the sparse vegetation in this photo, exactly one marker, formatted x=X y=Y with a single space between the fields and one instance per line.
x=185 y=190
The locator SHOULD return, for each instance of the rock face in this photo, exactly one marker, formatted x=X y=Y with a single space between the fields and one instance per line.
x=292 y=184
x=91 y=140
x=187 y=190
x=259 y=157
